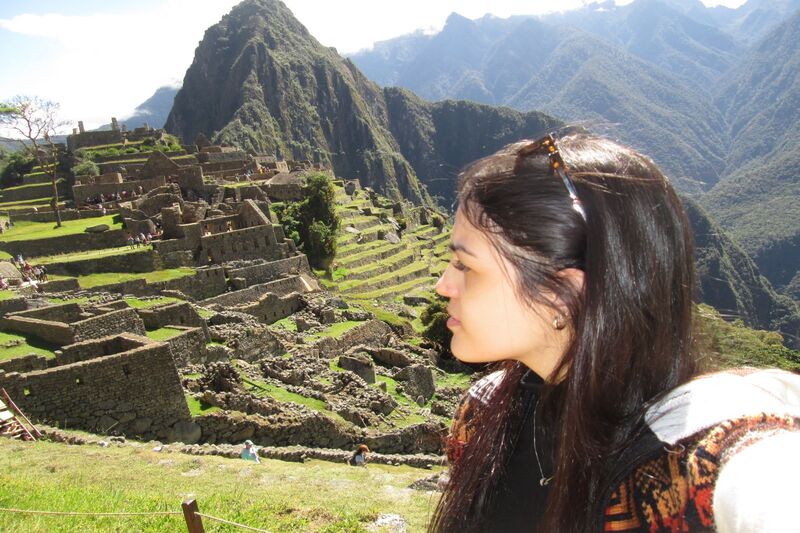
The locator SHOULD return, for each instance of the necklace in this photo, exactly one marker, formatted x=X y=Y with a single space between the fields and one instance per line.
x=543 y=481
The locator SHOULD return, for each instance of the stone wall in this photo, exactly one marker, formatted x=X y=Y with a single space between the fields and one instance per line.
x=66 y=324
x=136 y=393
x=281 y=287
x=177 y=314
x=271 y=307
x=12 y=305
x=283 y=192
x=268 y=271
x=122 y=321
x=93 y=138
x=78 y=242
x=26 y=363
x=66 y=214
x=81 y=192
x=94 y=348
x=372 y=332
x=188 y=347
x=249 y=243
x=45 y=191
x=135 y=261
x=206 y=283
x=60 y=285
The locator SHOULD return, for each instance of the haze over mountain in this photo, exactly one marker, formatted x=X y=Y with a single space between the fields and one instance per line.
x=682 y=82
x=262 y=82
x=153 y=111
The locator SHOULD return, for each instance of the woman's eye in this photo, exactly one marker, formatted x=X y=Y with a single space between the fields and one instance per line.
x=458 y=265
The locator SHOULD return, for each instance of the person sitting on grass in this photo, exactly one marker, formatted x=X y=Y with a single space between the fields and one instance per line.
x=359 y=457
x=250 y=452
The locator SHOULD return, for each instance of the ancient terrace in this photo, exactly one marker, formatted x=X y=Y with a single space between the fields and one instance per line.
x=176 y=308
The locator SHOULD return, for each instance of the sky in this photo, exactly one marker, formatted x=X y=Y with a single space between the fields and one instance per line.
x=102 y=58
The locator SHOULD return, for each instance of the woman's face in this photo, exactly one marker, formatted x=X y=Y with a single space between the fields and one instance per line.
x=488 y=319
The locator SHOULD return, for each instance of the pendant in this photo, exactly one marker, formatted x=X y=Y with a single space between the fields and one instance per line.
x=545 y=481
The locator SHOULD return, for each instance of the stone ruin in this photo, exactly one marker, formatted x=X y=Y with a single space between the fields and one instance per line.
x=107 y=376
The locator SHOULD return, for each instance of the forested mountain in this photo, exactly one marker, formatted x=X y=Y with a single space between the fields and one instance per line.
x=758 y=201
x=262 y=82
x=712 y=94
x=530 y=64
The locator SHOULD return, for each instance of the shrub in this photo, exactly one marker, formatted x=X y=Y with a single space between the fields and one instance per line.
x=312 y=222
x=17 y=164
x=86 y=168
x=434 y=318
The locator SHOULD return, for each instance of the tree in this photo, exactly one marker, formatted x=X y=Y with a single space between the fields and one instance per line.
x=35 y=120
x=312 y=222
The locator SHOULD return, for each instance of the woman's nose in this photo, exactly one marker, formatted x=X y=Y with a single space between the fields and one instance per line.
x=444 y=286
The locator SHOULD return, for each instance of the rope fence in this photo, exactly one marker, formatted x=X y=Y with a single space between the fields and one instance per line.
x=190 y=512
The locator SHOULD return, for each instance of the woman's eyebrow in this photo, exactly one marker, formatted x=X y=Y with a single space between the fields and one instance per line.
x=456 y=247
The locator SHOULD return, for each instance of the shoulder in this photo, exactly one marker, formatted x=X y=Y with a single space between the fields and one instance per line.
x=725 y=458
x=710 y=400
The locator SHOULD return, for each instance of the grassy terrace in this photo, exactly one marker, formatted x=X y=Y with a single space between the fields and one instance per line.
x=24 y=230
x=139 y=303
x=90 y=254
x=401 y=288
x=416 y=266
x=278 y=496
x=334 y=330
x=163 y=334
x=31 y=185
x=14 y=345
x=107 y=278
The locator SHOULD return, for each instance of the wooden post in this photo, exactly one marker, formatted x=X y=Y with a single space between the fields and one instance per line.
x=193 y=522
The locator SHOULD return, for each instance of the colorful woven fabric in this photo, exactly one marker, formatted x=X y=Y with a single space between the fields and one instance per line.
x=674 y=491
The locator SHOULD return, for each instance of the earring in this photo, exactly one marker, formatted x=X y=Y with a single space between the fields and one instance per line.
x=559 y=322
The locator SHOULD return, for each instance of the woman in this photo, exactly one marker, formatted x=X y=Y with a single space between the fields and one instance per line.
x=572 y=266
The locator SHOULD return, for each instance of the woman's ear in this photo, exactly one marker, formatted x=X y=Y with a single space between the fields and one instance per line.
x=575 y=278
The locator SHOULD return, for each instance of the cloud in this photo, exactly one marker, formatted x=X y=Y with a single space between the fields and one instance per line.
x=104 y=65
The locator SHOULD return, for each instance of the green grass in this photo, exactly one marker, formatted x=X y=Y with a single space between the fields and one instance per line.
x=415 y=266
x=394 y=289
x=462 y=381
x=24 y=230
x=28 y=345
x=413 y=416
x=138 y=303
x=278 y=496
x=198 y=407
x=334 y=330
x=203 y=312
x=286 y=323
x=32 y=185
x=107 y=278
x=90 y=254
x=260 y=388
x=7 y=294
x=26 y=203
x=165 y=333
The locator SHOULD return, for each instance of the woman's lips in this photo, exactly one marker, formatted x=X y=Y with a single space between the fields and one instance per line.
x=452 y=322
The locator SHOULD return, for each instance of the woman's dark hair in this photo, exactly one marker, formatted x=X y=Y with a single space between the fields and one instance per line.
x=630 y=322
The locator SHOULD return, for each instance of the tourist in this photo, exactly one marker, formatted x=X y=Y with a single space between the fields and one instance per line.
x=250 y=452
x=130 y=240
x=359 y=457
x=43 y=270
x=573 y=269
x=3 y=282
